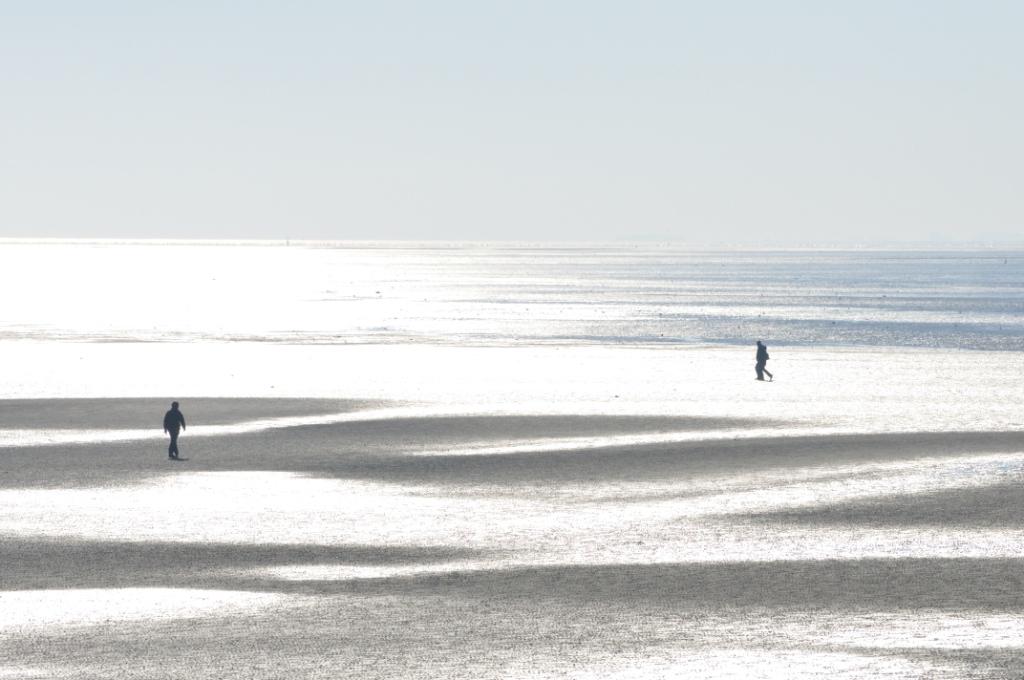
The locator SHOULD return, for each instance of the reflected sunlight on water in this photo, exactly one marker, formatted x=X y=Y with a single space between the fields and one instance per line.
x=705 y=518
x=550 y=463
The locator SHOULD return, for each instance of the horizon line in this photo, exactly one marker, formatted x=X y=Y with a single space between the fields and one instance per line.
x=982 y=244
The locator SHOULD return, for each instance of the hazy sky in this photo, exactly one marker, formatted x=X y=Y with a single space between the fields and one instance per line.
x=578 y=119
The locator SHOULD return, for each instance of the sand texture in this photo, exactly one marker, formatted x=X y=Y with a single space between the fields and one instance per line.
x=503 y=546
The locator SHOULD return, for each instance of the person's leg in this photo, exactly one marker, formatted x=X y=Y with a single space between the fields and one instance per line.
x=767 y=373
x=759 y=369
x=172 y=450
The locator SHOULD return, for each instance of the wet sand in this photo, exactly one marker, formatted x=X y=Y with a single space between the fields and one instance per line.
x=434 y=547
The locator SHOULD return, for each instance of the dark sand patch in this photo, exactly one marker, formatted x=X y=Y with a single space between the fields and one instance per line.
x=425 y=451
x=374 y=449
x=361 y=456
x=947 y=584
x=438 y=430
x=999 y=506
x=49 y=563
x=144 y=413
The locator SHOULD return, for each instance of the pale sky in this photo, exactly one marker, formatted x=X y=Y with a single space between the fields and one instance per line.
x=732 y=121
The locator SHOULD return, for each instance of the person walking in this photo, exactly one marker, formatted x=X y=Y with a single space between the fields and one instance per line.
x=174 y=422
x=762 y=359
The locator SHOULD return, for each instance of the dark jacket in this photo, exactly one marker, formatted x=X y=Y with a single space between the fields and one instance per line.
x=174 y=420
x=762 y=353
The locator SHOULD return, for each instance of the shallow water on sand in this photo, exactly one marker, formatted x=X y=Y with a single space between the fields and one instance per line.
x=502 y=294
x=440 y=503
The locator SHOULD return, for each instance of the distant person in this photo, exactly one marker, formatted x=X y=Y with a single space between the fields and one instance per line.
x=762 y=359
x=174 y=422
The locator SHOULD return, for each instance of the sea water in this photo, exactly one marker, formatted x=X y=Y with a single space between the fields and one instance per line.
x=864 y=340
x=511 y=295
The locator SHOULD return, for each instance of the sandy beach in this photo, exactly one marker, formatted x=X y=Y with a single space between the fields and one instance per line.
x=504 y=462
x=432 y=546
